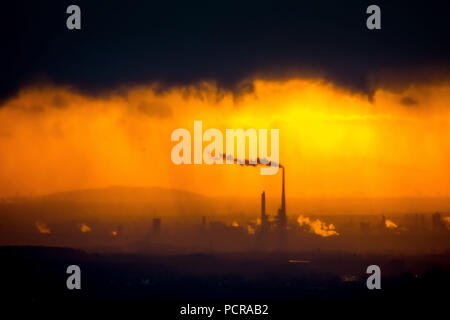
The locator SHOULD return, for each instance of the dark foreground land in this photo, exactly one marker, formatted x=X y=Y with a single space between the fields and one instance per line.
x=291 y=284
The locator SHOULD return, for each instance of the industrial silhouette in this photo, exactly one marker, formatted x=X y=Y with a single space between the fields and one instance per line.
x=281 y=219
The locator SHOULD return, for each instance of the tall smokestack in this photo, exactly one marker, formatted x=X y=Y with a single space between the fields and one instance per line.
x=282 y=221
x=263 y=212
x=283 y=197
x=263 y=205
x=203 y=222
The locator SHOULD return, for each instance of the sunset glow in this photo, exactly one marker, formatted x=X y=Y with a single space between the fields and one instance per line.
x=332 y=142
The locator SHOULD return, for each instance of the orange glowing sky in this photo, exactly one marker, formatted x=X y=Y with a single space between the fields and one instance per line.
x=332 y=142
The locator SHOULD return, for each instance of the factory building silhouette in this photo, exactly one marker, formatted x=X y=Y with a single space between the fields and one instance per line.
x=269 y=234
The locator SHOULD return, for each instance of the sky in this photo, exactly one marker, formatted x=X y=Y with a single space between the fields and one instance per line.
x=126 y=43
x=361 y=113
x=333 y=142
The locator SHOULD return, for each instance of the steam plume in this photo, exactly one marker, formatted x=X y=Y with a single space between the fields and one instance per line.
x=85 y=228
x=391 y=224
x=250 y=229
x=318 y=227
x=447 y=222
x=42 y=227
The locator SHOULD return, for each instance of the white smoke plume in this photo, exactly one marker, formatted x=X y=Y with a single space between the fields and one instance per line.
x=390 y=224
x=85 y=228
x=317 y=226
x=42 y=227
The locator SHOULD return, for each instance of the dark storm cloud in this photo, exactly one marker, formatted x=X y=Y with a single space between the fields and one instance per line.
x=124 y=43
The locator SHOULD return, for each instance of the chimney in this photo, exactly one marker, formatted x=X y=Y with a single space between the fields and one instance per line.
x=263 y=212
x=283 y=197
x=282 y=221
x=203 y=222
x=263 y=205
